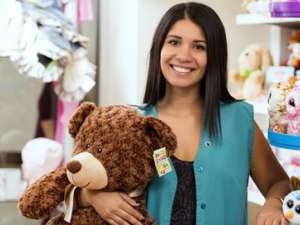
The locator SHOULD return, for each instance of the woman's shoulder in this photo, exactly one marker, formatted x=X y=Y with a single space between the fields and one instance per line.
x=238 y=106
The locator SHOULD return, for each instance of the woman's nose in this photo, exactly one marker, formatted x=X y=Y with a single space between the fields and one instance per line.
x=184 y=54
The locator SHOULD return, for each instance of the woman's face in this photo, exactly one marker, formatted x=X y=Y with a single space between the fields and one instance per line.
x=183 y=56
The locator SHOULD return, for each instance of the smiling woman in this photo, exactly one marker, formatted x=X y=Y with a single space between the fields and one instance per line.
x=219 y=144
x=183 y=55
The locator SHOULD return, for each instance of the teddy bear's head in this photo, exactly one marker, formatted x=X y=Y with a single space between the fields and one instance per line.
x=113 y=148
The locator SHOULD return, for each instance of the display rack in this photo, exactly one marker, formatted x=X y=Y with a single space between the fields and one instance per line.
x=278 y=42
x=284 y=141
x=260 y=19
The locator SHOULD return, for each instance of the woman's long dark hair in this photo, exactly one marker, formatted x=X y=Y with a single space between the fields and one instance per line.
x=213 y=87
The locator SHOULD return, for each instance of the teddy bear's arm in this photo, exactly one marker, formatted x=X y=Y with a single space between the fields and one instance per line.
x=44 y=195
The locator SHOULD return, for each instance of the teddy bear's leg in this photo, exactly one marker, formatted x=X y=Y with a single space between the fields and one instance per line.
x=82 y=216
x=86 y=216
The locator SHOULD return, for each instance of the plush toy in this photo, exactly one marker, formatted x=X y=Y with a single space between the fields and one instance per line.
x=291 y=207
x=276 y=107
x=113 y=151
x=39 y=157
x=292 y=118
x=291 y=203
x=250 y=78
x=276 y=104
x=256 y=6
x=294 y=49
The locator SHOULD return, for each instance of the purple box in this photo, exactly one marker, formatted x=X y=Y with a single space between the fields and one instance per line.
x=285 y=9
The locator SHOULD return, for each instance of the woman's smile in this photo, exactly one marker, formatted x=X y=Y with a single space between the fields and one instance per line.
x=182 y=69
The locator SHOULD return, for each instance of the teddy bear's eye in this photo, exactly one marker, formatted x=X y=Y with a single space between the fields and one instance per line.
x=99 y=150
x=88 y=145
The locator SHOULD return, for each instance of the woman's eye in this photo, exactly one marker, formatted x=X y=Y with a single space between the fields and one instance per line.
x=199 y=47
x=173 y=42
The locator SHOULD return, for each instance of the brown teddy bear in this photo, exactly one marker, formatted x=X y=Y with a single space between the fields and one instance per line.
x=113 y=151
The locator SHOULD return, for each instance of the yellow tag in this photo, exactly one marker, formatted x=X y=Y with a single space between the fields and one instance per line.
x=162 y=162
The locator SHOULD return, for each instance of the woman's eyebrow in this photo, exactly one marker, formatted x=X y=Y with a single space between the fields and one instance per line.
x=199 y=41
x=174 y=36
x=178 y=37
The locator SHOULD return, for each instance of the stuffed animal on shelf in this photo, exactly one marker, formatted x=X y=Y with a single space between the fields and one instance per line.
x=292 y=117
x=256 y=6
x=294 y=49
x=113 y=151
x=249 y=80
x=276 y=107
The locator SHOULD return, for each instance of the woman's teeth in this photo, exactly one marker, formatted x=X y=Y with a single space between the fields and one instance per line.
x=181 y=69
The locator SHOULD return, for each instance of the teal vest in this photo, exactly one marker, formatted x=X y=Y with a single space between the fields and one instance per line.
x=221 y=172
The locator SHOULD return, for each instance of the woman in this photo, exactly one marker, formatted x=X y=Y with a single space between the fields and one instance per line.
x=219 y=144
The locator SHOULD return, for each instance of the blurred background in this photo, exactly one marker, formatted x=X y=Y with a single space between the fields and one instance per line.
x=58 y=53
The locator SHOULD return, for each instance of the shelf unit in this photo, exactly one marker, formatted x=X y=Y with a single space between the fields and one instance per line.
x=278 y=43
x=260 y=19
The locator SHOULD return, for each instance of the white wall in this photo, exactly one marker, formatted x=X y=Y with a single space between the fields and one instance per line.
x=127 y=28
x=118 y=51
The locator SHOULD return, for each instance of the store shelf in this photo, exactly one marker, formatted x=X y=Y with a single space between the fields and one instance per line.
x=284 y=141
x=251 y=19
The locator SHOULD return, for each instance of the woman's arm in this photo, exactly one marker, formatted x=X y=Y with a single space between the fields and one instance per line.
x=270 y=178
x=114 y=207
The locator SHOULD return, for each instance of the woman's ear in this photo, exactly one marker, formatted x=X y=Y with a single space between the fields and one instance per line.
x=160 y=133
x=79 y=116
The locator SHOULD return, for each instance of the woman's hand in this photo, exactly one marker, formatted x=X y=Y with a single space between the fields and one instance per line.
x=114 y=207
x=271 y=213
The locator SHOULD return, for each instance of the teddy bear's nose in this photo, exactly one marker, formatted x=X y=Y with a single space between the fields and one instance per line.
x=74 y=166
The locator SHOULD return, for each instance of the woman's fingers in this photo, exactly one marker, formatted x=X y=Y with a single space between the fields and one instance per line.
x=128 y=199
x=120 y=221
x=131 y=219
x=131 y=211
x=111 y=222
x=284 y=221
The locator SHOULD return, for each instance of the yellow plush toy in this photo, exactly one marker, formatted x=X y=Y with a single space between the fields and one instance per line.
x=249 y=80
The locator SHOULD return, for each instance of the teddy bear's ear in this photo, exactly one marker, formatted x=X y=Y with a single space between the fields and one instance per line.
x=79 y=116
x=162 y=132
